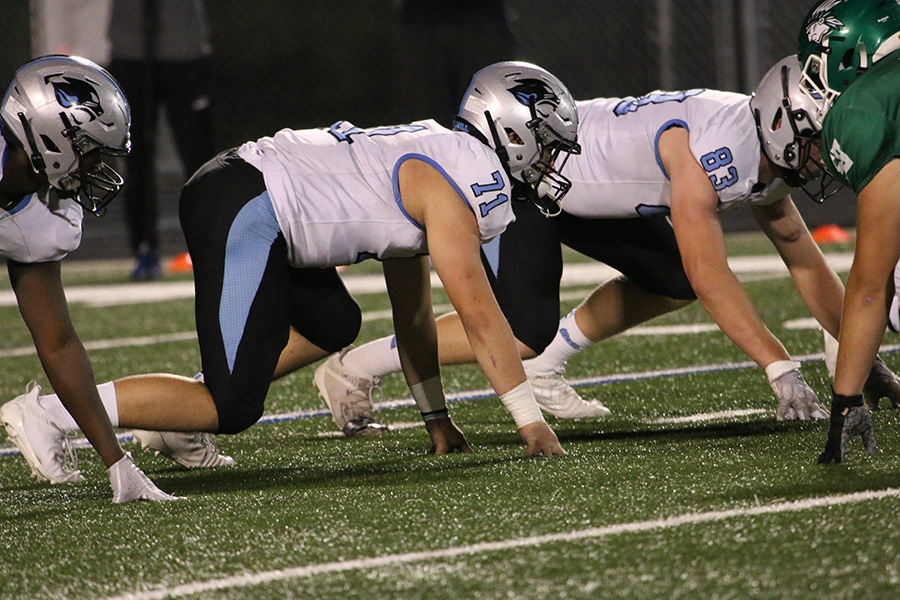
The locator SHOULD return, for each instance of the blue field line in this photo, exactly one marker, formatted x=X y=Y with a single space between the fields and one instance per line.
x=487 y=393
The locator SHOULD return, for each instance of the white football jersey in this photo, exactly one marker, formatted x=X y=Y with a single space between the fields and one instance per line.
x=619 y=172
x=42 y=227
x=336 y=195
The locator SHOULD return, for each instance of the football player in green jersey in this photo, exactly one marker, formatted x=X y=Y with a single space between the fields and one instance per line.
x=851 y=68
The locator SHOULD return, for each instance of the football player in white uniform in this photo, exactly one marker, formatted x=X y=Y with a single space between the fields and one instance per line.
x=266 y=223
x=647 y=190
x=61 y=116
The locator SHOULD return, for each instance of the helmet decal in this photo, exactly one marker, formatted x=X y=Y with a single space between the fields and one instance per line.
x=824 y=22
x=78 y=95
x=534 y=92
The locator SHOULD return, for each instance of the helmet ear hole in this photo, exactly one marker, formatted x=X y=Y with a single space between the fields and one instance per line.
x=776 y=120
x=49 y=144
x=514 y=137
x=847 y=59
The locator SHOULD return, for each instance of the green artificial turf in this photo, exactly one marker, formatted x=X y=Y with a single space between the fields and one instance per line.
x=470 y=526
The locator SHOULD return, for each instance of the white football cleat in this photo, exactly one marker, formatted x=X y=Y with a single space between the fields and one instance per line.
x=194 y=450
x=44 y=445
x=129 y=483
x=349 y=396
x=555 y=396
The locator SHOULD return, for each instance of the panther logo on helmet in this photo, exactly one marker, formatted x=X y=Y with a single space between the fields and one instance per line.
x=533 y=93
x=78 y=95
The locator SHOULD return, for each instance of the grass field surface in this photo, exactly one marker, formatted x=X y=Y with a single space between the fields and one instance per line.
x=690 y=489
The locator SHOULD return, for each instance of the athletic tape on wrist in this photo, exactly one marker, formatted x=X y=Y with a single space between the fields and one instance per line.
x=780 y=367
x=429 y=396
x=520 y=402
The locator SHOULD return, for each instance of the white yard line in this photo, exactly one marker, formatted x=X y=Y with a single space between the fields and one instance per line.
x=589 y=273
x=391 y=560
x=710 y=416
x=377 y=315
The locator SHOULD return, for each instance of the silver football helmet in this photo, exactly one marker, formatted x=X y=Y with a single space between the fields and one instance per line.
x=529 y=118
x=61 y=108
x=785 y=122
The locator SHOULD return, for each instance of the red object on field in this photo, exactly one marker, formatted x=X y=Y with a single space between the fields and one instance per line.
x=181 y=263
x=830 y=234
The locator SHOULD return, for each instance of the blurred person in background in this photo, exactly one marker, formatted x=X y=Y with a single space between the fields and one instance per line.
x=62 y=118
x=162 y=56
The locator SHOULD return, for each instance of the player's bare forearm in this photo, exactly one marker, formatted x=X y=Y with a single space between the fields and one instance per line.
x=702 y=246
x=817 y=283
x=409 y=288
x=865 y=300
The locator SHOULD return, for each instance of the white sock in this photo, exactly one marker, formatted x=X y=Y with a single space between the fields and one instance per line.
x=894 y=313
x=831 y=351
x=375 y=359
x=568 y=342
x=61 y=416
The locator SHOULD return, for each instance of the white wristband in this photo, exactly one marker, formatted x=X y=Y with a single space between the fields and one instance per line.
x=780 y=367
x=429 y=396
x=520 y=402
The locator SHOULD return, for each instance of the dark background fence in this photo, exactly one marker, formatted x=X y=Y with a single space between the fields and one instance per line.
x=300 y=64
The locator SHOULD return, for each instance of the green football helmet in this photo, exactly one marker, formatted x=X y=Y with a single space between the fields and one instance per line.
x=839 y=40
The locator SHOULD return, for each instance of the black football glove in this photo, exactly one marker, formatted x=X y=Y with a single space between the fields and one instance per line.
x=881 y=383
x=849 y=418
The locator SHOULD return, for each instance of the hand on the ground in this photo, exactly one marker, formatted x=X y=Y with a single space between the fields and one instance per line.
x=540 y=439
x=445 y=437
x=881 y=383
x=129 y=483
x=858 y=422
x=849 y=418
x=796 y=400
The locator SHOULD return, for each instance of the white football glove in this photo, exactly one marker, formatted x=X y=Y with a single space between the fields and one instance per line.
x=129 y=483
x=796 y=400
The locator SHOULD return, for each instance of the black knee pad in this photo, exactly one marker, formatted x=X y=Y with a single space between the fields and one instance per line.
x=236 y=420
x=237 y=409
x=536 y=332
x=322 y=310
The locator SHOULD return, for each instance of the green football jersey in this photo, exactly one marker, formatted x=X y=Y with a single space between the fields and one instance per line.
x=861 y=132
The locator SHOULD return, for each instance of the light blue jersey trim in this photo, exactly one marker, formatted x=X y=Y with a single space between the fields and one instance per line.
x=246 y=255
x=22 y=203
x=395 y=183
x=659 y=132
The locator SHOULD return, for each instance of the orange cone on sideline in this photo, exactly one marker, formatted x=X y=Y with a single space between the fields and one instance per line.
x=181 y=263
x=830 y=234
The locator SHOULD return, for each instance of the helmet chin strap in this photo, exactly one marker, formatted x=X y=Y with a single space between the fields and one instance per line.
x=37 y=160
x=499 y=146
